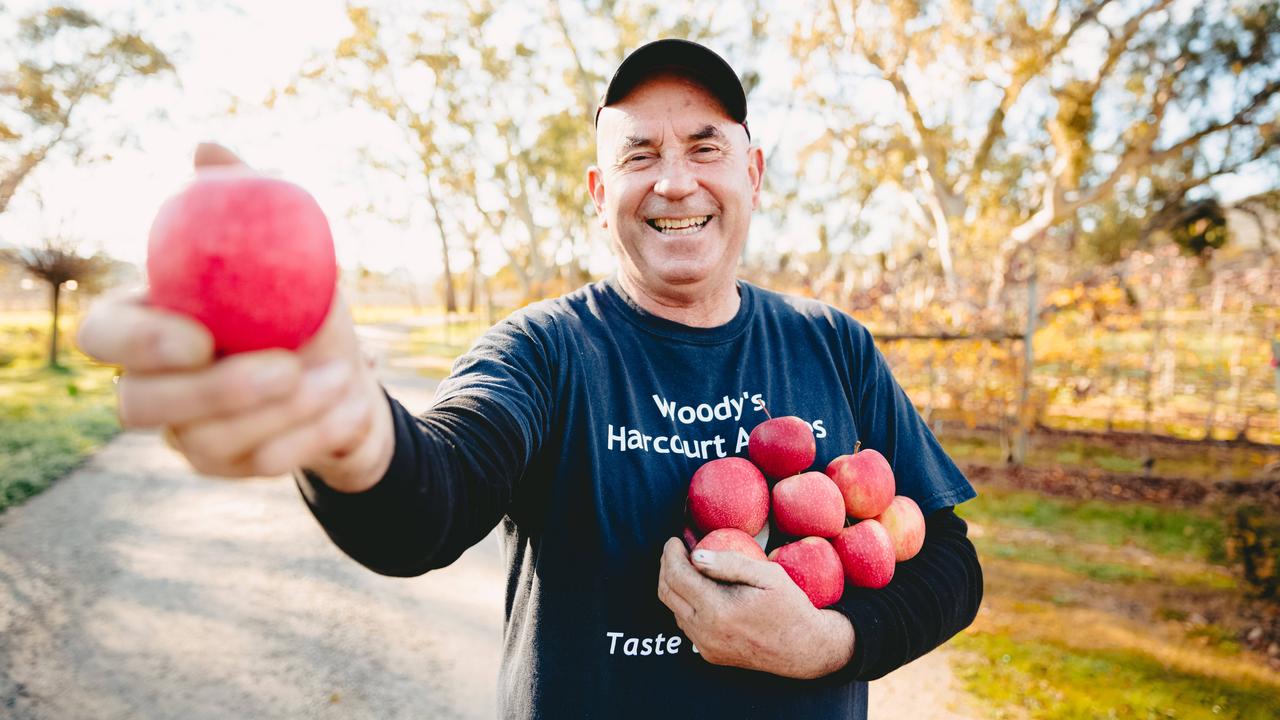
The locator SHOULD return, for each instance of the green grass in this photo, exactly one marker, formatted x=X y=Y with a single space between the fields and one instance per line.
x=1160 y=530
x=446 y=340
x=1099 y=454
x=1063 y=558
x=49 y=419
x=1049 y=681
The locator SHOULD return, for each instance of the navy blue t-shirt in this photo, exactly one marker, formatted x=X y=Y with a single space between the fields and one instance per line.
x=577 y=423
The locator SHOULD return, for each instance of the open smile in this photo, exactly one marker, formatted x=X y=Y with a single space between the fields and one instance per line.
x=679 y=226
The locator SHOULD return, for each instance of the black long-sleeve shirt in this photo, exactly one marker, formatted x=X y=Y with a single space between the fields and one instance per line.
x=577 y=424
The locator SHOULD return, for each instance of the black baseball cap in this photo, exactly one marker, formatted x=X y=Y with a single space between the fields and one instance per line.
x=681 y=56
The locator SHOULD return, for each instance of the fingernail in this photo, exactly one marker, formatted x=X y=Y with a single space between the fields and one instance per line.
x=328 y=377
x=272 y=374
x=705 y=558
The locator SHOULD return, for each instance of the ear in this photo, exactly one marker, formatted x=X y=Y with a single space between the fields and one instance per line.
x=755 y=170
x=595 y=186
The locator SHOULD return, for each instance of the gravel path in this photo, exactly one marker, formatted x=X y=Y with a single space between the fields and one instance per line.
x=135 y=589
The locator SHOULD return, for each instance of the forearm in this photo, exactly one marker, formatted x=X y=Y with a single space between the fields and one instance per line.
x=932 y=597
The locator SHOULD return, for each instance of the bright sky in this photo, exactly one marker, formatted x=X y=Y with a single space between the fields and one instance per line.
x=241 y=49
x=238 y=50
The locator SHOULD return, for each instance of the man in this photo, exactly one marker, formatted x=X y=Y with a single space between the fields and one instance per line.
x=577 y=423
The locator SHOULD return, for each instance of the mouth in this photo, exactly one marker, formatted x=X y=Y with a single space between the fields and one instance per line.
x=679 y=226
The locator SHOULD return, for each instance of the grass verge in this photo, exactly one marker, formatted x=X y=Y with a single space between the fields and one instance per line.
x=50 y=419
x=1051 y=681
x=1098 y=609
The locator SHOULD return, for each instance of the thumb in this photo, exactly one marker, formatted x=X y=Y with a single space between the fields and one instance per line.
x=733 y=567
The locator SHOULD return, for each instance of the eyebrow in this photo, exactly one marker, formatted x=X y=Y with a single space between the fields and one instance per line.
x=706 y=132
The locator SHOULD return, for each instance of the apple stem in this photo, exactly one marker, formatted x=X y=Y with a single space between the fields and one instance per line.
x=766 y=411
x=856 y=447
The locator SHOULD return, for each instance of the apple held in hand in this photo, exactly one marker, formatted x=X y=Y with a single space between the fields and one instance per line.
x=905 y=524
x=782 y=446
x=866 y=481
x=866 y=552
x=814 y=565
x=248 y=256
x=729 y=493
x=731 y=540
x=808 y=504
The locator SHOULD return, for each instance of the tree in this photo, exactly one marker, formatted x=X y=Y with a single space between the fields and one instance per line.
x=68 y=61
x=58 y=262
x=1085 y=101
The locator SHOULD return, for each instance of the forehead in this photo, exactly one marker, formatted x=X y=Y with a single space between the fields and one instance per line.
x=666 y=98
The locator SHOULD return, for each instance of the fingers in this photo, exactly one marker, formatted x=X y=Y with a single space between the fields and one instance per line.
x=123 y=331
x=734 y=567
x=673 y=557
x=337 y=425
x=340 y=427
x=233 y=436
x=214 y=155
x=234 y=385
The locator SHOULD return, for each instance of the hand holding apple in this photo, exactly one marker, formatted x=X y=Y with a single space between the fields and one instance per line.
x=251 y=413
x=749 y=614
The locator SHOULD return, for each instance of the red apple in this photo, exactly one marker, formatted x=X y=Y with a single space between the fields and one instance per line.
x=866 y=552
x=731 y=540
x=866 y=481
x=729 y=493
x=248 y=256
x=905 y=524
x=782 y=446
x=813 y=564
x=808 y=504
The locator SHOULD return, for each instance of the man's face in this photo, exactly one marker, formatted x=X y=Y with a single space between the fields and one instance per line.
x=675 y=186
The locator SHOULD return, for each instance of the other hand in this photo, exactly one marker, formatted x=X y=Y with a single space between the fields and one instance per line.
x=748 y=613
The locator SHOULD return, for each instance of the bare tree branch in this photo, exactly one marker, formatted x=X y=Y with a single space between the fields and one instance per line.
x=1239 y=119
x=995 y=124
x=1119 y=44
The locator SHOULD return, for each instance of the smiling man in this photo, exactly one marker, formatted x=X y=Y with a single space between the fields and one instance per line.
x=576 y=425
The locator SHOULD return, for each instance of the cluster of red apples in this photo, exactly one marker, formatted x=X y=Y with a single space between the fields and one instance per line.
x=850 y=524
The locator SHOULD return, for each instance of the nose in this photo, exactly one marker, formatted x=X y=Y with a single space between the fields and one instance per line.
x=676 y=180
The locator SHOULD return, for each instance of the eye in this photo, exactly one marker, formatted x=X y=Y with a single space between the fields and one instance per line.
x=638 y=158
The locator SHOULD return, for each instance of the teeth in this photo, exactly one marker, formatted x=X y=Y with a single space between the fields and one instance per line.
x=691 y=224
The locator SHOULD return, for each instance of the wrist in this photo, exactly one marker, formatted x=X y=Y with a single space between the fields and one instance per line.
x=833 y=644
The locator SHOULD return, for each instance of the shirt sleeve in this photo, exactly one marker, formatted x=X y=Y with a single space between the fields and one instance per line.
x=888 y=422
x=932 y=596
x=456 y=468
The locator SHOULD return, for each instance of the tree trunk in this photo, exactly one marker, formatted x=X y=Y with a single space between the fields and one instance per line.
x=450 y=298
x=55 y=296
x=1025 y=416
x=473 y=293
